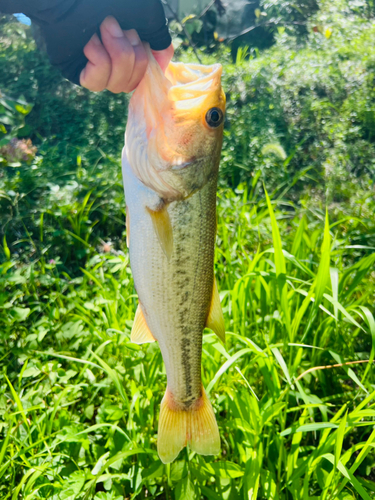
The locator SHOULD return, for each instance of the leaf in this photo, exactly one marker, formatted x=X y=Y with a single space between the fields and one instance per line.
x=185 y=490
x=371 y=325
x=322 y=277
x=155 y=470
x=17 y=401
x=4 y=445
x=226 y=470
x=210 y=494
x=362 y=268
x=334 y=273
x=108 y=496
x=114 y=412
x=225 y=367
x=31 y=372
x=178 y=470
x=89 y=411
x=252 y=474
x=99 y=464
x=113 y=374
x=282 y=364
x=323 y=271
x=20 y=313
x=6 y=248
x=272 y=411
x=76 y=481
x=123 y=455
x=344 y=311
x=24 y=110
x=280 y=266
x=348 y=475
x=359 y=458
x=317 y=426
x=279 y=256
x=340 y=438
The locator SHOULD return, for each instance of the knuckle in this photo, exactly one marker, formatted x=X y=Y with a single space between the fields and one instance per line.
x=121 y=54
x=98 y=56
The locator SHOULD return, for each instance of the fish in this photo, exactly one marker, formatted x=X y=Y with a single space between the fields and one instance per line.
x=170 y=165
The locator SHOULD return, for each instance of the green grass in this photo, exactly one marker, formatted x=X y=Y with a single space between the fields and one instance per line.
x=294 y=387
x=79 y=402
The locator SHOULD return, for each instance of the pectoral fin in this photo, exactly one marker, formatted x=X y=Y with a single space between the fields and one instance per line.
x=140 y=332
x=163 y=228
x=215 y=318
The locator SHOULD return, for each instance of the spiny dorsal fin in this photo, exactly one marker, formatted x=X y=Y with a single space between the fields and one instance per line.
x=140 y=332
x=215 y=318
x=163 y=229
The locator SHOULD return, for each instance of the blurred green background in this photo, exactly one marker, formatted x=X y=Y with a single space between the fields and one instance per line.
x=79 y=402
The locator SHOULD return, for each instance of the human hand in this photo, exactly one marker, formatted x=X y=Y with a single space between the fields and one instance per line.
x=119 y=63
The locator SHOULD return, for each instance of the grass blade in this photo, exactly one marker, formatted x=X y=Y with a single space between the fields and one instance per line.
x=280 y=267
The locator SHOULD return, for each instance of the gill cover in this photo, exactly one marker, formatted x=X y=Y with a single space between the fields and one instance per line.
x=174 y=131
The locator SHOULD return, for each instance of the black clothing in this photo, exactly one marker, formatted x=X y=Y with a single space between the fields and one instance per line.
x=67 y=25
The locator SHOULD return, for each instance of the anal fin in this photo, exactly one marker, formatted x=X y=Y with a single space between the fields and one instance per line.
x=215 y=318
x=141 y=333
x=163 y=229
x=179 y=426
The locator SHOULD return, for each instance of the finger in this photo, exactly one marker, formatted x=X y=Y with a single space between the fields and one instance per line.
x=96 y=73
x=164 y=57
x=122 y=55
x=141 y=59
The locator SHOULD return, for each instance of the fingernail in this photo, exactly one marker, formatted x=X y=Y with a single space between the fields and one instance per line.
x=114 y=29
x=96 y=40
x=133 y=37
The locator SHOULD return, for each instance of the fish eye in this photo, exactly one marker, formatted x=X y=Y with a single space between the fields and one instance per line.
x=214 y=117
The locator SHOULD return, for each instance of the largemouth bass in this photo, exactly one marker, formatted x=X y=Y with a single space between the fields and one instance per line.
x=171 y=159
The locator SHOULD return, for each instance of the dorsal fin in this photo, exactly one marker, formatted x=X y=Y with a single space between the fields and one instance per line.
x=141 y=333
x=163 y=229
x=215 y=318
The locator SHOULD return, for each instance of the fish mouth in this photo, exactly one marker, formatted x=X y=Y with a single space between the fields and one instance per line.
x=192 y=87
x=193 y=76
x=181 y=166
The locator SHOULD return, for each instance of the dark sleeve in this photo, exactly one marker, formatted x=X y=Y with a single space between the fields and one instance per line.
x=67 y=25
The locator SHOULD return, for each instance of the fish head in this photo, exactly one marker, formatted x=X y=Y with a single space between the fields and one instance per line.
x=175 y=128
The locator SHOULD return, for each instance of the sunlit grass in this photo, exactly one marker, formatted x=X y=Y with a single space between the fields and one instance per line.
x=79 y=402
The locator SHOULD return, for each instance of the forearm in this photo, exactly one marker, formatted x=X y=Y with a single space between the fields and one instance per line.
x=42 y=11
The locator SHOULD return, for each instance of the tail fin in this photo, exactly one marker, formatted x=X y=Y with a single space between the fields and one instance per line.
x=195 y=426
